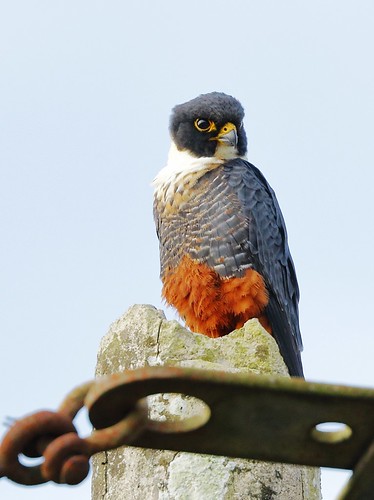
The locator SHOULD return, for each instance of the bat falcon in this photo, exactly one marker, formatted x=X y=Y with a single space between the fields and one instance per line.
x=223 y=243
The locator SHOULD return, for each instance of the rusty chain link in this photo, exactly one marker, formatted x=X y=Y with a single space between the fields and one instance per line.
x=53 y=436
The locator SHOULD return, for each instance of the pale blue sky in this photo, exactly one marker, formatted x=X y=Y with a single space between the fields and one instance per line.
x=86 y=89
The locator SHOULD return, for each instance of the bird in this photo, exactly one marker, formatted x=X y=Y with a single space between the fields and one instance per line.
x=224 y=254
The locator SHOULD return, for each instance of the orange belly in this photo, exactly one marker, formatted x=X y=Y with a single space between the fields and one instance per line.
x=213 y=305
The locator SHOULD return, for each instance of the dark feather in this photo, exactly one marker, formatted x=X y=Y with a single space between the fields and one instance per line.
x=270 y=255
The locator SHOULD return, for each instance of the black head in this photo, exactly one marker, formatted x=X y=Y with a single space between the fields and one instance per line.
x=208 y=122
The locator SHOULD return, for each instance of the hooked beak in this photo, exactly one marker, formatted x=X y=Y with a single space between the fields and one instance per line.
x=227 y=135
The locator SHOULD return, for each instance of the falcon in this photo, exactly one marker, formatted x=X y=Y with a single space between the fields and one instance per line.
x=223 y=242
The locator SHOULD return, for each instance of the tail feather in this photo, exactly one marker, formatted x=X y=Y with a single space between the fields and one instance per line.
x=282 y=331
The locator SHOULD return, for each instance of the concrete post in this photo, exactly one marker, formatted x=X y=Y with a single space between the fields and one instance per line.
x=143 y=337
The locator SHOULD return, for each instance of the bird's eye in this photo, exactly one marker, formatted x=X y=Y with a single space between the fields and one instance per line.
x=204 y=125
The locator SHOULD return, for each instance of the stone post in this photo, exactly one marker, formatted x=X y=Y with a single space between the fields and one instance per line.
x=143 y=337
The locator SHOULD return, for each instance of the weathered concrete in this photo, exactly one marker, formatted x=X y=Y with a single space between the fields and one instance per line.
x=143 y=337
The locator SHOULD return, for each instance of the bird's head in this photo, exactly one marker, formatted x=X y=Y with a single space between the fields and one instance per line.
x=210 y=125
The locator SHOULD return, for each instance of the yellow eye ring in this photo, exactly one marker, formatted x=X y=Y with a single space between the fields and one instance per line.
x=203 y=125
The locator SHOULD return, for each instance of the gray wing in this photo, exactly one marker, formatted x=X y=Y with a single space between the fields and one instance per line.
x=270 y=255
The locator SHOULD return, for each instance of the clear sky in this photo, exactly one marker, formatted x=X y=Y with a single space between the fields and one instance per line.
x=86 y=89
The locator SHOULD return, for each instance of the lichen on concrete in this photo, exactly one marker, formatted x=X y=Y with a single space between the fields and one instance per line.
x=143 y=337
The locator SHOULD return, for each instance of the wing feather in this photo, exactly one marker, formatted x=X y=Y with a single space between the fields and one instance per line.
x=270 y=255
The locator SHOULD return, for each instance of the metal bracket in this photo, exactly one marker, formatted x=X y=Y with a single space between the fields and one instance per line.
x=267 y=418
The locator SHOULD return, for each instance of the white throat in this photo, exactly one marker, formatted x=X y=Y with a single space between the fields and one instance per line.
x=184 y=169
x=180 y=169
